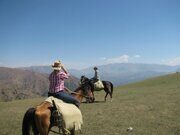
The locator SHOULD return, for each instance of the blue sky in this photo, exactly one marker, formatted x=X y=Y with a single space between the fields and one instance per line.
x=84 y=33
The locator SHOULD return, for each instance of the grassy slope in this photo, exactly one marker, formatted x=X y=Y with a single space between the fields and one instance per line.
x=151 y=107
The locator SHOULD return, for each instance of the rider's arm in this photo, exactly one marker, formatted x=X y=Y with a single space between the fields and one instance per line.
x=64 y=74
x=64 y=69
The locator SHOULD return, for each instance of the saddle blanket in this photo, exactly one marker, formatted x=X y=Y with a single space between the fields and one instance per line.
x=71 y=114
x=98 y=85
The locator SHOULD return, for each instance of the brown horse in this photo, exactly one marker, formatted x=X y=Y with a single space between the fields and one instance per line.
x=89 y=83
x=38 y=120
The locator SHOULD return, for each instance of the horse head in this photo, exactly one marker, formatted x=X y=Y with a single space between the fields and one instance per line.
x=87 y=88
x=84 y=80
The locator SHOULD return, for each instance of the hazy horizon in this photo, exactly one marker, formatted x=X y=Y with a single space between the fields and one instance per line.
x=90 y=65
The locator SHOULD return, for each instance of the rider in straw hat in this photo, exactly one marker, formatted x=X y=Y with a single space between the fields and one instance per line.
x=56 y=87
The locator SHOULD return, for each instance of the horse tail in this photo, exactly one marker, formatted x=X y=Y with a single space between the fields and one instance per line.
x=111 y=88
x=29 y=121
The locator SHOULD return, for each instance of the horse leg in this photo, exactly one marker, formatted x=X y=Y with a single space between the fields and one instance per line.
x=111 y=96
x=105 y=96
x=111 y=91
x=46 y=122
x=42 y=120
x=38 y=121
x=93 y=96
x=72 y=132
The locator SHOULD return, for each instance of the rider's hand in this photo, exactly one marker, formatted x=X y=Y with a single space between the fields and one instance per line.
x=64 y=69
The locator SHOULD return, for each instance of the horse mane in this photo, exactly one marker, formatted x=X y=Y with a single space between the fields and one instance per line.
x=84 y=80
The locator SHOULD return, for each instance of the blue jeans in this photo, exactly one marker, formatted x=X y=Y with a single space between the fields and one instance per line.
x=65 y=97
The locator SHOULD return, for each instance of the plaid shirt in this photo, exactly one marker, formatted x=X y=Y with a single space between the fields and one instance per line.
x=57 y=81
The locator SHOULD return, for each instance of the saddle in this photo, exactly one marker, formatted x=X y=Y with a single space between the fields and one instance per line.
x=98 y=85
x=67 y=114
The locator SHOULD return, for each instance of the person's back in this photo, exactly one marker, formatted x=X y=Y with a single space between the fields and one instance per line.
x=56 y=87
x=95 y=78
x=96 y=74
x=56 y=79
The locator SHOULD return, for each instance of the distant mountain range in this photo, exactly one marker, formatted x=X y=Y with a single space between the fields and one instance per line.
x=27 y=82
x=119 y=73
x=20 y=84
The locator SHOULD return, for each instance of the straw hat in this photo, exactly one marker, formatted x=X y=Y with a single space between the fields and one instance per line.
x=57 y=65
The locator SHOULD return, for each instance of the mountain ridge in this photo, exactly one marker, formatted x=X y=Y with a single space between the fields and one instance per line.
x=117 y=73
x=19 y=84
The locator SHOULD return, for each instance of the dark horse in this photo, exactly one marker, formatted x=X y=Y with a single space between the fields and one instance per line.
x=108 y=86
x=38 y=120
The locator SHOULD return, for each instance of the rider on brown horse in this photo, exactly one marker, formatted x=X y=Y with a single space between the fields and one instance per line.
x=56 y=87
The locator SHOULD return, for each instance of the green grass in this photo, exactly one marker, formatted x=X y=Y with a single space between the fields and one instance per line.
x=151 y=107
